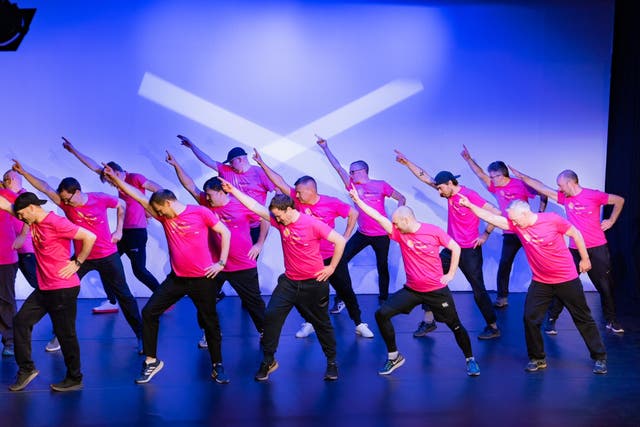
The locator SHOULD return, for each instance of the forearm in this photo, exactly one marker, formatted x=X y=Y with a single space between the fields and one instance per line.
x=187 y=182
x=87 y=161
x=477 y=170
x=338 y=250
x=352 y=220
x=120 y=210
x=377 y=216
x=420 y=173
x=336 y=165
x=274 y=177
x=251 y=204
x=455 y=258
x=204 y=158
x=490 y=218
x=264 y=231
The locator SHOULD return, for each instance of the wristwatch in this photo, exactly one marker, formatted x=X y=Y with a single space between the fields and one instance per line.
x=222 y=263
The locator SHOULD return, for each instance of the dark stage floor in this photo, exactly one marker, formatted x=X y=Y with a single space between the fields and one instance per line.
x=432 y=387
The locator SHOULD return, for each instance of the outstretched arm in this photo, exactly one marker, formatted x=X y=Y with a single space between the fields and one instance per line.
x=186 y=181
x=273 y=176
x=199 y=153
x=86 y=160
x=486 y=180
x=377 y=216
x=251 y=204
x=535 y=184
x=129 y=190
x=38 y=183
x=344 y=176
x=416 y=170
x=486 y=215
x=618 y=203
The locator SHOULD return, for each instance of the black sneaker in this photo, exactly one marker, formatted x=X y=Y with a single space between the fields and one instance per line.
x=265 y=369
x=424 y=328
x=331 y=374
x=67 y=384
x=149 y=370
x=219 y=375
x=489 y=333
x=391 y=365
x=23 y=380
x=536 y=365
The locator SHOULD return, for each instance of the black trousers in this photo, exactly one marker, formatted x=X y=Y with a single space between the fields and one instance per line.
x=380 y=246
x=7 y=301
x=61 y=306
x=27 y=266
x=511 y=244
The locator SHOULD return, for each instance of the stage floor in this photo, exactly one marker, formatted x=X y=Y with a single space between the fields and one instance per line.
x=431 y=388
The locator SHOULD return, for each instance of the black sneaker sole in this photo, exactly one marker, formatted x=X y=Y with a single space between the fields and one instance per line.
x=74 y=387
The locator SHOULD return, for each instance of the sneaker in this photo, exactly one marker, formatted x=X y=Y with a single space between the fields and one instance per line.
x=501 y=303
x=535 y=365
x=265 y=369
x=106 y=307
x=23 y=380
x=7 y=351
x=424 y=328
x=337 y=307
x=363 y=330
x=149 y=370
x=331 y=374
x=489 y=333
x=550 y=327
x=219 y=375
x=52 y=345
x=391 y=365
x=305 y=330
x=600 y=367
x=68 y=384
x=473 y=370
x=203 y=342
x=615 y=327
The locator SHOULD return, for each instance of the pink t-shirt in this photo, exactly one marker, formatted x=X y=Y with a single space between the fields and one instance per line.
x=301 y=246
x=237 y=219
x=583 y=211
x=462 y=223
x=188 y=239
x=8 y=231
x=135 y=215
x=515 y=189
x=373 y=193
x=27 y=246
x=326 y=209
x=547 y=253
x=254 y=182
x=52 y=244
x=93 y=216
x=421 y=256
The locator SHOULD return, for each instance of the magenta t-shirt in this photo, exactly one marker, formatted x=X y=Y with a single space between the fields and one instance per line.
x=27 y=246
x=421 y=256
x=254 y=183
x=135 y=215
x=583 y=211
x=52 y=245
x=188 y=240
x=301 y=246
x=372 y=193
x=237 y=219
x=462 y=223
x=515 y=189
x=546 y=250
x=8 y=231
x=326 y=209
x=93 y=216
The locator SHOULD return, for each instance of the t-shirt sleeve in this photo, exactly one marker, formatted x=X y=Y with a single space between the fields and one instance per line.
x=210 y=219
x=137 y=180
x=561 y=198
x=65 y=228
x=602 y=197
x=475 y=198
x=321 y=229
x=395 y=234
x=443 y=238
x=107 y=200
x=562 y=225
x=387 y=190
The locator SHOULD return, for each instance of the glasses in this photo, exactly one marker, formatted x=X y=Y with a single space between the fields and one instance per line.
x=67 y=200
x=352 y=172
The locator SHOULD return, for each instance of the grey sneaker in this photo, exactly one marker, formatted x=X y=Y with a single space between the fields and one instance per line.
x=8 y=351
x=391 y=365
x=600 y=367
x=501 y=303
x=424 y=328
x=535 y=365
x=331 y=374
x=68 y=384
x=52 y=345
x=489 y=333
x=615 y=327
x=149 y=370
x=23 y=380
x=337 y=307
x=550 y=327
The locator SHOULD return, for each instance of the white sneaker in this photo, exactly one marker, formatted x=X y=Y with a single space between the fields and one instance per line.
x=363 y=330
x=203 y=342
x=106 y=307
x=52 y=345
x=305 y=331
x=337 y=307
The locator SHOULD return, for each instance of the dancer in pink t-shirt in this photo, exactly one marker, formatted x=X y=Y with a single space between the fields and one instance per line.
x=8 y=270
x=304 y=282
x=554 y=275
x=505 y=189
x=134 y=229
x=58 y=289
x=193 y=268
x=305 y=195
x=462 y=226
x=583 y=207
x=426 y=281
x=369 y=233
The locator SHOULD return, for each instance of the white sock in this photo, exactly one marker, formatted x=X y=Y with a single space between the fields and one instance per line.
x=394 y=355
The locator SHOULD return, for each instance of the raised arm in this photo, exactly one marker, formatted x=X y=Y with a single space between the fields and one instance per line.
x=535 y=184
x=199 y=153
x=88 y=239
x=274 y=177
x=486 y=180
x=377 y=216
x=344 y=176
x=585 y=263
x=618 y=203
x=416 y=170
x=186 y=181
x=86 y=160
x=129 y=190
x=151 y=186
x=339 y=243
x=38 y=183
x=251 y=204
x=486 y=215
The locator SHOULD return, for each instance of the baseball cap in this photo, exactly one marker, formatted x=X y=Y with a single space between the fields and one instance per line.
x=235 y=152
x=26 y=199
x=444 y=176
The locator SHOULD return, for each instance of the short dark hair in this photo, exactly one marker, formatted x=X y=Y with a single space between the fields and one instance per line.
x=113 y=165
x=305 y=180
x=569 y=174
x=498 y=166
x=362 y=163
x=70 y=185
x=161 y=196
x=281 y=202
x=213 y=184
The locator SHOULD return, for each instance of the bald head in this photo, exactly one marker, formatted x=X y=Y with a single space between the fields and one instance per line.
x=12 y=180
x=405 y=220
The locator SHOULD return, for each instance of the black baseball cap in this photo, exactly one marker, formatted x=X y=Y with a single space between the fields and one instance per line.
x=444 y=176
x=26 y=199
x=235 y=152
